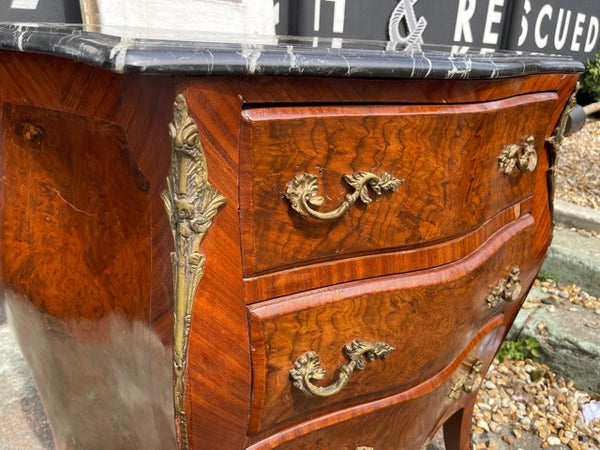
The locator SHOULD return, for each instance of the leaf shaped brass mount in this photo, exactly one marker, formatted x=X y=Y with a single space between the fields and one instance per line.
x=557 y=138
x=191 y=203
x=523 y=156
x=468 y=383
x=425 y=444
x=308 y=367
x=556 y=141
x=302 y=192
x=507 y=290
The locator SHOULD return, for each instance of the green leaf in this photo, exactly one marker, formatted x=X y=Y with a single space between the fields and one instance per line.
x=590 y=80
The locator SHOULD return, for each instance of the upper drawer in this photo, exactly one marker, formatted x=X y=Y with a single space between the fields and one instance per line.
x=447 y=155
x=428 y=316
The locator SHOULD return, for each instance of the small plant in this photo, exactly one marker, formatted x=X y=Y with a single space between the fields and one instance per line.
x=547 y=276
x=528 y=348
x=589 y=87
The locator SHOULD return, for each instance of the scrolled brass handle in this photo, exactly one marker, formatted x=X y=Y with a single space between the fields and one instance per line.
x=474 y=378
x=523 y=156
x=468 y=383
x=308 y=367
x=302 y=192
x=507 y=290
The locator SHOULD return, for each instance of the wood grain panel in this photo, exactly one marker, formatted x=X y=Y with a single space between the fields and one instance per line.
x=219 y=377
x=394 y=421
x=300 y=278
x=127 y=348
x=292 y=90
x=447 y=154
x=444 y=307
x=66 y=226
x=76 y=270
x=140 y=105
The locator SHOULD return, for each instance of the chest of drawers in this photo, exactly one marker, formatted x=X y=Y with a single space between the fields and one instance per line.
x=329 y=248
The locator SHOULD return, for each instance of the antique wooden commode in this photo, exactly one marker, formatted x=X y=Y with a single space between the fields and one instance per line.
x=328 y=243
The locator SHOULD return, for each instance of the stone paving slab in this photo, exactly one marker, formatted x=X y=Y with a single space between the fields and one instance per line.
x=569 y=340
x=574 y=258
x=571 y=215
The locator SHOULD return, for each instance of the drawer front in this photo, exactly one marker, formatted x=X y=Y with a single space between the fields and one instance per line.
x=402 y=421
x=428 y=316
x=446 y=155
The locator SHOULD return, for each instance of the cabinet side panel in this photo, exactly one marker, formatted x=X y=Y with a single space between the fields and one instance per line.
x=81 y=181
x=76 y=253
x=219 y=351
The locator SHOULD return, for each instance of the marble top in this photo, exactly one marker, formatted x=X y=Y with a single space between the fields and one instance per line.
x=128 y=50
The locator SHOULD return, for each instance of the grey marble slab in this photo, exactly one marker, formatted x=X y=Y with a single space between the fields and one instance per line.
x=130 y=50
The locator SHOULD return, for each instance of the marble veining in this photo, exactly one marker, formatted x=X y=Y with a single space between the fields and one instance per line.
x=185 y=53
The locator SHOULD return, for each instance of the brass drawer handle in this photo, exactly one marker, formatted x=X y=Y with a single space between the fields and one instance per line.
x=308 y=367
x=302 y=192
x=468 y=383
x=507 y=290
x=523 y=156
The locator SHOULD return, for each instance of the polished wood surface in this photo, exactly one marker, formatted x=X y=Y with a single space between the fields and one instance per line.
x=450 y=303
x=338 y=271
x=219 y=368
x=77 y=202
x=367 y=424
x=443 y=153
x=64 y=172
x=86 y=243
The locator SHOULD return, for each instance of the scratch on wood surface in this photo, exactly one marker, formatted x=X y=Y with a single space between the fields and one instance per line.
x=71 y=204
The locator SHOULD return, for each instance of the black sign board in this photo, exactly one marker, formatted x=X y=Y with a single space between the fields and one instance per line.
x=458 y=22
x=55 y=11
x=556 y=26
x=569 y=27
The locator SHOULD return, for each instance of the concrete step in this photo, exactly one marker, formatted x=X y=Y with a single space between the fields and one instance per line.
x=575 y=259
x=569 y=338
x=569 y=335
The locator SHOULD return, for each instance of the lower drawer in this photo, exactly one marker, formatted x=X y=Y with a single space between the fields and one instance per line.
x=428 y=316
x=405 y=420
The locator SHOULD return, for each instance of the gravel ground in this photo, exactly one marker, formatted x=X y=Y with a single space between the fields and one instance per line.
x=578 y=167
x=525 y=405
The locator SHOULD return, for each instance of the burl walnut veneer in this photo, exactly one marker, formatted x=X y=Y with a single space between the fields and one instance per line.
x=227 y=246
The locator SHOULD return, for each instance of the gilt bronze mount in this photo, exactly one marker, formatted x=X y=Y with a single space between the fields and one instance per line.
x=468 y=383
x=507 y=290
x=191 y=203
x=522 y=156
x=308 y=367
x=302 y=193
